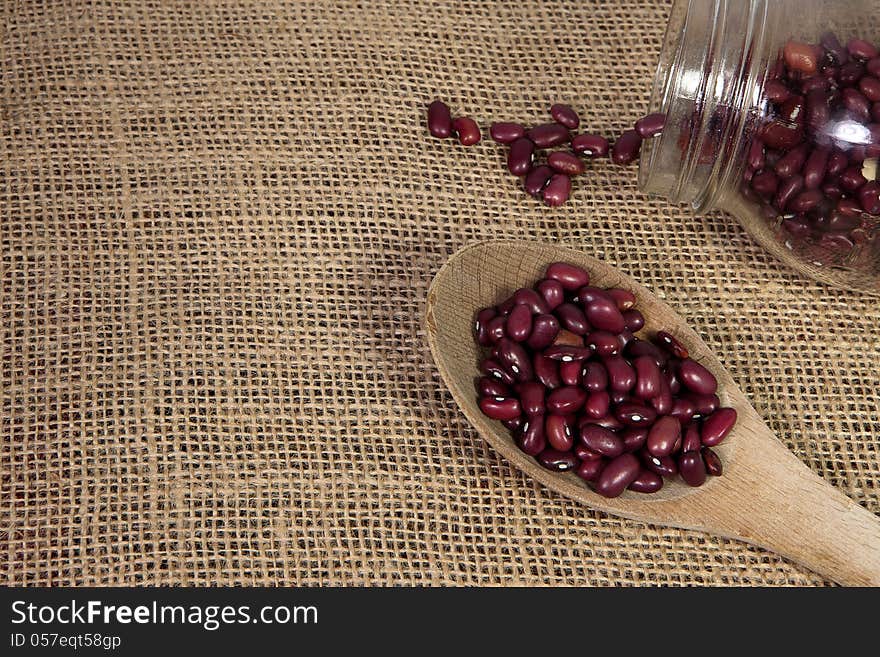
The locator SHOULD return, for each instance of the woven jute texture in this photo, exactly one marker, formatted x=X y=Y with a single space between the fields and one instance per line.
x=219 y=224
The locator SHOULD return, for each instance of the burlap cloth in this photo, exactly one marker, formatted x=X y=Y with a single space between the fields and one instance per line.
x=219 y=223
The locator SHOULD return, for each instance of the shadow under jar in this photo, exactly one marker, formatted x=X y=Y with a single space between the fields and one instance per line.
x=773 y=115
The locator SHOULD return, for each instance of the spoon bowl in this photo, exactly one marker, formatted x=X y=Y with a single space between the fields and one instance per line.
x=766 y=496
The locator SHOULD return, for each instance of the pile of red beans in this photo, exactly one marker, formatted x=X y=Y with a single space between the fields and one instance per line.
x=579 y=391
x=548 y=177
x=813 y=164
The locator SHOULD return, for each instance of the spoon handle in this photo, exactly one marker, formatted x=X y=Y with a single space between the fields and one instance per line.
x=773 y=500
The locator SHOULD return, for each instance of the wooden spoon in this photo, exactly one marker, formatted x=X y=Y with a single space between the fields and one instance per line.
x=766 y=496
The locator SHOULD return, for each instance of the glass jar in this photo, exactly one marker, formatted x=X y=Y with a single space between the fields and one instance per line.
x=773 y=115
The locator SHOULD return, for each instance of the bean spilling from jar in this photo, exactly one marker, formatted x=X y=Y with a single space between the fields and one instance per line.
x=547 y=176
x=812 y=164
x=580 y=389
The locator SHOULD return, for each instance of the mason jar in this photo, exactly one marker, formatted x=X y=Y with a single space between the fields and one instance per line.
x=773 y=115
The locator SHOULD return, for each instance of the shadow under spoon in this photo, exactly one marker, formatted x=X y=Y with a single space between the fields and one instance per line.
x=766 y=496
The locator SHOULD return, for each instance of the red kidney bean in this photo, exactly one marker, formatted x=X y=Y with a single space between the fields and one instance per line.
x=800 y=57
x=691 y=441
x=565 y=115
x=609 y=422
x=671 y=344
x=832 y=190
x=870 y=88
x=587 y=294
x=590 y=145
x=692 y=469
x=845 y=219
x=506 y=132
x=663 y=402
x=814 y=168
x=851 y=178
x=663 y=435
x=777 y=93
x=584 y=453
x=552 y=291
x=665 y=466
x=765 y=183
x=531 y=437
x=792 y=112
x=494 y=369
x=546 y=371
x=792 y=162
x=633 y=320
x=837 y=163
x=780 y=134
x=558 y=190
x=590 y=470
x=683 y=410
x=488 y=387
x=567 y=163
x=519 y=323
x=638 y=348
x=439 y=120
x=595 y=376
x=565 y=353
x=621 y=375
x=571 y=277
x=650 y=125
x=647 y=377
x=558 y=433
x=545 y=328
x=856 y=103
x=646 y=482
x=626 y=148
x=755 y=159
x=712 y=462
x=603 y=343
x=850 y=73
x=624 y=338
x=619 y=397
x=531 y=398
x=572 y=319
x=869 y=197
x=833 y=48
x=697 y=378
x=603 y=314
x=717 y=425
x=624 y=299
x=557 y=460
x=597 y=405
x=815 y=83
x=873 y=67
x=548 y=135
x=495 y=328
x=567 y=399
x=467 y=129
x=634 y=439
x=861 y=49
x=519 y=157
x=570 y=372
x=481 y=330
x=530 y=298
x=601 y=440
x=500 y=408
x=635 y=415
x=515 y=358
x=704 y=404
x=806 y=201
x=536 y=180
x=617 y=475
x=672 y=381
